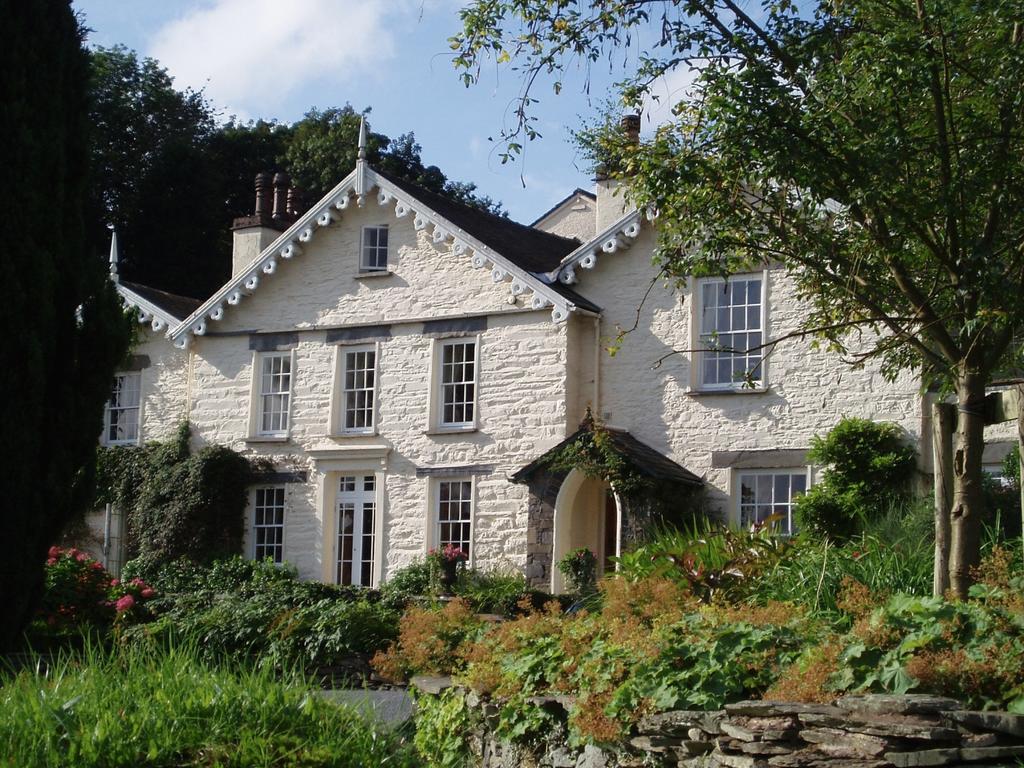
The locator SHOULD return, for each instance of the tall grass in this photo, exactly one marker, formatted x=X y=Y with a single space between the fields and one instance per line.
x=893 y=554
x=166 y=707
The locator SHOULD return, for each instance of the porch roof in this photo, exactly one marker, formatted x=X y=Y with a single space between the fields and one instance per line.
x=644 y=459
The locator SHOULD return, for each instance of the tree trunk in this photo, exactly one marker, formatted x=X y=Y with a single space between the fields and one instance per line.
x=943 y=424
x=968 y=502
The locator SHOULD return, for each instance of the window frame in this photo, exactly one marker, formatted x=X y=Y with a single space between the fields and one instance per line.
x=376 y=534
x=107 y=409
x=254 y=526
x=364 y=267
x=338 y=417
x=697 y=292
x=433 y=537
x=257 y=396
x=737 y=485
x=437 y=386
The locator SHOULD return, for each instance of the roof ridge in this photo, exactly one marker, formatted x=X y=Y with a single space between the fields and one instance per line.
x=504 y=220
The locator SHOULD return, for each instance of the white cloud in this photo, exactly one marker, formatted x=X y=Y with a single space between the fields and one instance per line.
x=251 y=54
x=665 y=92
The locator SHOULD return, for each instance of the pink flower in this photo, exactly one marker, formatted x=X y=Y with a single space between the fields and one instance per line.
x=51 y=561
x=53 y=553
x=81 y=557
x=138 y=583
x=96 y=565
x=124 y=604
x=147 y=593
x=114 y=582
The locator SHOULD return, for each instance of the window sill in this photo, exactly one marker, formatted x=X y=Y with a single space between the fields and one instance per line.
x=368 y=274
x=351 y=435
x=728 y=392
x=450 y=431
x=268 y=439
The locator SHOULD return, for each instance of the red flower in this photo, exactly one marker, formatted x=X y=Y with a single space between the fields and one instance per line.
x=124 y=604
x=147 y=593
x=54 y=553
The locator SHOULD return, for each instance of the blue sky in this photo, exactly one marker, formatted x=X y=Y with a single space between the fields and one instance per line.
x=273 y=59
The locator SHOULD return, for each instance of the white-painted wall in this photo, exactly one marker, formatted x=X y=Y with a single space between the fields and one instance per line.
x=808 y=390
x=522 y=383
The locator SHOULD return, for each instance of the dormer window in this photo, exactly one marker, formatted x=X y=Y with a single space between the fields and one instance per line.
x=373 y=256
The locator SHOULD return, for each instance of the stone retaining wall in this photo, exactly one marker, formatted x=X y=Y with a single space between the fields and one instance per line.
x=872 y=731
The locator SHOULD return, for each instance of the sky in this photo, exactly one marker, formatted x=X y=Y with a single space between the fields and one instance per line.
x=275 y=60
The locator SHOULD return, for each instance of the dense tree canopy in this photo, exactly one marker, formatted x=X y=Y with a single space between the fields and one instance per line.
x=64 y=326
x=873 y=147
x=171 y=179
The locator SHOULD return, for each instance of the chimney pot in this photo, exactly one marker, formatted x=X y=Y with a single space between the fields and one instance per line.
x=263 y=187
x=630 y=126
x=281 y=184
x=294 y=202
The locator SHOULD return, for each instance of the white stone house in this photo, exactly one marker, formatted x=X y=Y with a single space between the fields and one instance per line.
x=404 y=361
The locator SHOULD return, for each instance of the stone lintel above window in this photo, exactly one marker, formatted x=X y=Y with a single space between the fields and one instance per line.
x=473 y=469
x=358 y=335
x=273 y=342
x=454 y=326
x=777 y=458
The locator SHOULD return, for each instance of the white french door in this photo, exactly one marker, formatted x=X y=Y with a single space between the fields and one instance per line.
x=356 y=524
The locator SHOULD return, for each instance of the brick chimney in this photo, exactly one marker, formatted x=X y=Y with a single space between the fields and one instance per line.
x=611 y=203
x=251 y=234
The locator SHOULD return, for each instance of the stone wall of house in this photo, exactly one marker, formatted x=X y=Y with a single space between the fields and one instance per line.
x=577 y=218
x=164 y=379
x=808 y=390
x=869 y=731
x=522 y=380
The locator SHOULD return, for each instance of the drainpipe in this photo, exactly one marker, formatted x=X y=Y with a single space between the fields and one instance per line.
x=107 y=514
x=597 y=366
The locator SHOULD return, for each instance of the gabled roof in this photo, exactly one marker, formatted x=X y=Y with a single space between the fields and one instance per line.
x=639 y=455
x=619 y=236
x=506 y=248
x=160 y=309
x=578 y=192
x=178 y=307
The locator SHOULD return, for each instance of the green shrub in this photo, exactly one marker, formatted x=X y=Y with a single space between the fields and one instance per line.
x=492 y=591
x=81 y=599
x=712 y=561
x=148 y=706
x=406 y=584
x=178 y=503
x=261 y=613
x=579 y=569
x=866 y=465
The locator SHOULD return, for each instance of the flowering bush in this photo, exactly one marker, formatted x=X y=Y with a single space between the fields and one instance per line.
x=82 y=597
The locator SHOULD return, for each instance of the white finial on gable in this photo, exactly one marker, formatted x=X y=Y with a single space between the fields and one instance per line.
x=360 y=185
x=115 y=255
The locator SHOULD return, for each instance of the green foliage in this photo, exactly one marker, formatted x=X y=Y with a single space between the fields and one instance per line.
x=579 y=568
x=178 y=504
x=150 y=706
x=855 y=144
x=594 y=454
x=492 y=591
x=406 y=584
x=712 y=561
x=259 y=613
x=867 y=465
x=66 y=327
x=443 y=725
x=83 y=601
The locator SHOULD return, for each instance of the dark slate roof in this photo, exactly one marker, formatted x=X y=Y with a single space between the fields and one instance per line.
x=578 y=191
x=641 y=456
x=531 y=249
x=171 y=303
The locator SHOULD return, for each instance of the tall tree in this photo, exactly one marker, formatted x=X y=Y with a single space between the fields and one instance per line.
x=872 y=147
x=65 y=329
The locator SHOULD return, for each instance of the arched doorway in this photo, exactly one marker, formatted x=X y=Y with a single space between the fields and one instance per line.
x=587 y=514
